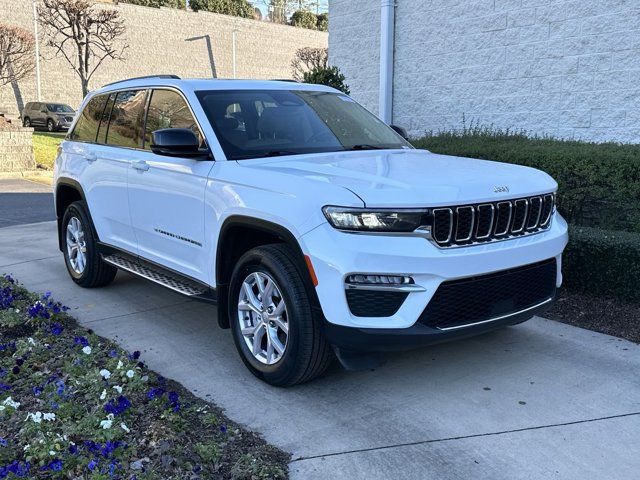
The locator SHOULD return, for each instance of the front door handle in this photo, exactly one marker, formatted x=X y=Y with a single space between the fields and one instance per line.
x=141 y=165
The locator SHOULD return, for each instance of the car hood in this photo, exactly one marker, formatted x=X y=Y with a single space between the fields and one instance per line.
x=412 y=178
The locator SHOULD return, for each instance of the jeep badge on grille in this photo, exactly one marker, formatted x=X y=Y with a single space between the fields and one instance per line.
x=501 y=189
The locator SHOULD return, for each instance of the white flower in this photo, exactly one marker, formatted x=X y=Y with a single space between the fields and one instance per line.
x=118 y=388
x=2 y=407
x=31 y=341
x=35 y=417
x=106 y=424
x=130 y=373
x=52 y=453
x=105 y=373
x=49 y=417
x=125 y=428
x=87 y=350
x=120 y=364
x=17 y=310
x=26 y=447
x=103 y=395
x=9 y=402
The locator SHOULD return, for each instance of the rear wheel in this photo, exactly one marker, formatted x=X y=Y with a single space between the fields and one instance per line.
x=51 y=127
x=275 y=330
x=80 y=249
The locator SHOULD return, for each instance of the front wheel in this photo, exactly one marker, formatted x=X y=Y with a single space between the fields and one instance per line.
x=27 y=122
x=80 y=249
x=51 y=127
x=275 y=329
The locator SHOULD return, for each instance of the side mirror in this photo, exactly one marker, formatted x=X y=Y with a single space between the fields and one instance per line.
x=401 y=131
x=176 y=142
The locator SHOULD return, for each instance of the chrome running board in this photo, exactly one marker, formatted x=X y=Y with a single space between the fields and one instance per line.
x=157 y=274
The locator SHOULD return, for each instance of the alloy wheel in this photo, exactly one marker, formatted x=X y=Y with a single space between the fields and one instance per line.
x=76 y=245
x=262 y=316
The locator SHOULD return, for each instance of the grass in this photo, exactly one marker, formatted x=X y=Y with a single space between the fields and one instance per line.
x=75 y=405
x=45 y=146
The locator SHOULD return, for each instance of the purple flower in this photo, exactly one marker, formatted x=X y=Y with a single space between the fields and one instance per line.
x=73 y=449
x=19 y=361
x=38 y=310
x=92 y=465
x=54 y=465
x=109 y=447
x=15 y=370
x=3 y=442
x=56 y=328
x=9 y=279
x=4 y=387
x=113 y=353
x=80 y=341
x=37 y=390
x=17 y=468
x=7 y=346
x=120 y=405
x=135 y=355
x=223 y=428
x=155 y=392
x=61 y=386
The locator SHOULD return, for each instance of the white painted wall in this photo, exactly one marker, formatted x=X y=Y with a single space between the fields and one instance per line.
x=566 y=68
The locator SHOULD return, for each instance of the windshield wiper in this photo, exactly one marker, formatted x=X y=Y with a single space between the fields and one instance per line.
x=270 y=153
x=363 y=147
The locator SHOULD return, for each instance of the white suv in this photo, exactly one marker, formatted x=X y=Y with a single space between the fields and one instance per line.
x=316 y=228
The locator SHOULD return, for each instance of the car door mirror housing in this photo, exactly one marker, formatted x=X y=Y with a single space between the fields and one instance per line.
x=401 y=131
x=177 y=142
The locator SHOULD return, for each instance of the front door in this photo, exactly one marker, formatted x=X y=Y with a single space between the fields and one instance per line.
x=166 y=194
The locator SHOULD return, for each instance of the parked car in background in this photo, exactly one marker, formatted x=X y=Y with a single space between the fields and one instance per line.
x=51 y=116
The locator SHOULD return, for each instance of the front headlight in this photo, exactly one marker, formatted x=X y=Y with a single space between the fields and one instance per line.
x=376 y=220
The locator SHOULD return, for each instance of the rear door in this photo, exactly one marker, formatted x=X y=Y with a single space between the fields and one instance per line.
x=116 y=140
x=166 y=194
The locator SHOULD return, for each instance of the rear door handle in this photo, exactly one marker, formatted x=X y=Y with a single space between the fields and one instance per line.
x=140 y=165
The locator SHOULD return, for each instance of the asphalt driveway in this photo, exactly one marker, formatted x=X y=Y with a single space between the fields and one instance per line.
x=23 y=201
x=538 y=401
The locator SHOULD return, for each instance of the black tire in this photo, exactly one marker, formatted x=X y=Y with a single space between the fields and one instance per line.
x=96 y=272
x=307 y=354
x=51 y=127
x=26 y=122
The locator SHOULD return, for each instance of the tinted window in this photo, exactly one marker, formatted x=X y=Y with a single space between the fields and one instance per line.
x=104 y=123
x=126 y=124
x=259 y=123
x=86 y=128
x=168 y=109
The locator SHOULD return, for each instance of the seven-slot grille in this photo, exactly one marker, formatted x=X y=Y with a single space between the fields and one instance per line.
x=487 y=222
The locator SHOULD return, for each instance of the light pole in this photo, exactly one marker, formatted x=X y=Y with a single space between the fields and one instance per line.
x=235 y=31
x=35 y=28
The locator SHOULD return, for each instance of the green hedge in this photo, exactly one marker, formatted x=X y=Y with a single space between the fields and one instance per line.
x=603 y=263
x=599 y=184
x=236 y=8
x=159 y=3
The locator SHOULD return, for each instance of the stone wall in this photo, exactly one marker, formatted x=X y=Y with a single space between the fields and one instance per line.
x=16 y=148
x=568 y=68
x=169 y=41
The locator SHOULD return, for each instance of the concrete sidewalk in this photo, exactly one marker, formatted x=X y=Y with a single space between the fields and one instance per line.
x=541 y=400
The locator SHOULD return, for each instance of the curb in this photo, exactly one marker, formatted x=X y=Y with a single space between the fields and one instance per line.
x=27 y=174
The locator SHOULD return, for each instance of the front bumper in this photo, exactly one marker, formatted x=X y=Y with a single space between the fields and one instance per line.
x=335 y=255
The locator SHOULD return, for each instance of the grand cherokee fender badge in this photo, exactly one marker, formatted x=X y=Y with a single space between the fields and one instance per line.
x=501 y=189
x=177 y=237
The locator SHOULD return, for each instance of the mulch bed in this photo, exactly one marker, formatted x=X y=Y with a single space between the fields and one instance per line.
x=605 y=315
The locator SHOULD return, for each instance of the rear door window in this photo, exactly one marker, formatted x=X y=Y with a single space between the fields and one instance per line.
x=127 y=119
x=87 y=125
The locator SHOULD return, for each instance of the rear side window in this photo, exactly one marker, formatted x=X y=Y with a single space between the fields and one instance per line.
x=168 y=109
x=126 y=124
x=86 y=128
x=104 y=123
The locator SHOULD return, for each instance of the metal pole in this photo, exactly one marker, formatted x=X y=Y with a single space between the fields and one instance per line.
x=387 y=39
x=234 y=54
x=35 y=28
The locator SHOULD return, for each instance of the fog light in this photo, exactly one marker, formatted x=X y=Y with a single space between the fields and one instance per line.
x=364 y=279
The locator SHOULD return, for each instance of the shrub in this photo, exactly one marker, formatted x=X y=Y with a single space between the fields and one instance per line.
x=158 y=3
x=599 y=184
x=236 y=8
x=329 y=76
x=601 y=262
x=322 y=22
x=304 y=19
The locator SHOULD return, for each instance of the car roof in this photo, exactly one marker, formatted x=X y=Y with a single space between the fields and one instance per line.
x=211 y=84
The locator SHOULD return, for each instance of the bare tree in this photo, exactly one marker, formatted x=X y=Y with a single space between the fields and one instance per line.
x=84 y=35
x=308 y=59
x=17 y=54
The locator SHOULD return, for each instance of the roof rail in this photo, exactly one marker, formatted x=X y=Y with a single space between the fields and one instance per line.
x=175 y=77
x=284 y=80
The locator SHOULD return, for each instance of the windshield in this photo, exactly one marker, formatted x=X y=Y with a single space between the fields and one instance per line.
x=58 y=108
x=263 y=123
